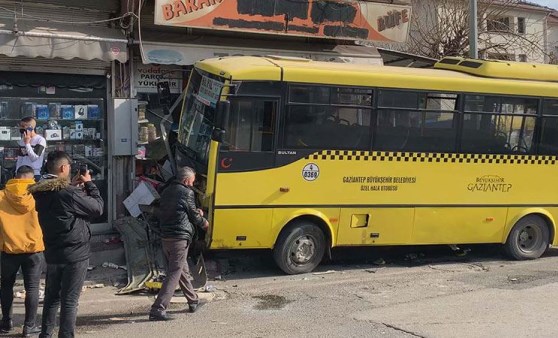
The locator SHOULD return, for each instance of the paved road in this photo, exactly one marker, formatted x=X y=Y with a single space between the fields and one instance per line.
x=419 y=292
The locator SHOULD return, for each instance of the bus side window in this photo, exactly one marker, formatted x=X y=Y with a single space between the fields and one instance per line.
x=327 y=127
x=498 y=125
x=416 y=121
x=549 y=128
x=251 y=125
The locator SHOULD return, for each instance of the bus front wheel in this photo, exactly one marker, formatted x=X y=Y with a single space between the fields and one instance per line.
x=299 y=248
x=528 y=239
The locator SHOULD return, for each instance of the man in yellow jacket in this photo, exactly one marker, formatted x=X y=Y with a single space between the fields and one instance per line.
x=21 y=243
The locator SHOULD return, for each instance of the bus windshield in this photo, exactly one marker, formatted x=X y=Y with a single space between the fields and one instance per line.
x=198 y=116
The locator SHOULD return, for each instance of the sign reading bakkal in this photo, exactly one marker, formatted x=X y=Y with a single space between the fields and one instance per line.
x=336 y=19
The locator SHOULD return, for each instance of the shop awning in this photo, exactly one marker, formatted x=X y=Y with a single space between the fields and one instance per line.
x=49 y=40
x=188 y=52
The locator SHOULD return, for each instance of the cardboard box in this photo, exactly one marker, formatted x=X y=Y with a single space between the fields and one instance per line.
x=67 y=111
x=88 y=151
x=93 y=112
x=53 y=134
x=78 y=149
x=54 y=110
x=15 y=134
x=42 y=112
x=66 y=133
x=144 y=194
x=80 y=112
x=5 y=133
x=28 y=109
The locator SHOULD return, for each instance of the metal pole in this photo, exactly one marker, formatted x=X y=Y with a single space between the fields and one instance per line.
x=473 y=30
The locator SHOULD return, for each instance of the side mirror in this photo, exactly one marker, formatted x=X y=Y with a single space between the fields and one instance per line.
x=218 y=135
x=222 y=114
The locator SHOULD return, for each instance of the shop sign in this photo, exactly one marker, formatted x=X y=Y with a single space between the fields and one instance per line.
x=146 y=78
x=336 y=19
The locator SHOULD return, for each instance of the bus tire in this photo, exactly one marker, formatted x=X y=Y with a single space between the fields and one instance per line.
x=299 y=248
x=528 y=239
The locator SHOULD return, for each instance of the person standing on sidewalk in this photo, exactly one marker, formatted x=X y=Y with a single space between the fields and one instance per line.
x=65 y=209
x=178 y=219
x=32 y=147
x=21 y=243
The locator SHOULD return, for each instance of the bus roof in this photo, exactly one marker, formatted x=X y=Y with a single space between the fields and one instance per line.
x=270 y=68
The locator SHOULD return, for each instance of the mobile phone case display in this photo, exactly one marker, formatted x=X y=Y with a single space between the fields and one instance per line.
x=75 y=126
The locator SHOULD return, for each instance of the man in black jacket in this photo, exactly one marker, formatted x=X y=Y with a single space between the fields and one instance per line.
x=178 y=218
x=65 y=209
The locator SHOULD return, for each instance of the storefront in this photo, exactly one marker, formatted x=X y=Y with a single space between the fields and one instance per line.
x=62 y=75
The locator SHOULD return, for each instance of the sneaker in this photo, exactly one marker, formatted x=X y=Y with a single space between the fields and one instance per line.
x=158 y=316
x=30 y=331
x=6 y=326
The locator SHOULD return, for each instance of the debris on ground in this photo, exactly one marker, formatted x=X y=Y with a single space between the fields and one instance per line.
x=114 y=266
x=458 y=251
x=411 y=257
x=96 y=286
x=112 y=240
x=324 y=272
x=379 y=261
x=219 y=277
x=370 y=270
x=208 y=288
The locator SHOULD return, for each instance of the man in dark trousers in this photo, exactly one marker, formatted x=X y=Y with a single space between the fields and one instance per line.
x=65 y=209
x=178 y=218
x=21 y=243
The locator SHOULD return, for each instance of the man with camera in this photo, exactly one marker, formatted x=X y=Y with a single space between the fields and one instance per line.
x=65 y=207
x=32 y=147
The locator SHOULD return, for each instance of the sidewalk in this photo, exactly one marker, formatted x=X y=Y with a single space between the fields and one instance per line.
x=100 y=307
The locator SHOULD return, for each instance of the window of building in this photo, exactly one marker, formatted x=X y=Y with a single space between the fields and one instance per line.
x=498 y=24
x=521 y=25
x=320 y=117
x=549 y=128
x=416 y=121
x=498 y=125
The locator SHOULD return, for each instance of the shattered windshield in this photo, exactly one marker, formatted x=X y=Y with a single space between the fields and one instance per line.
x=198 y=116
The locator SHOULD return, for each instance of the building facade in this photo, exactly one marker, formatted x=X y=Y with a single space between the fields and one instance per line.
x=508 y=29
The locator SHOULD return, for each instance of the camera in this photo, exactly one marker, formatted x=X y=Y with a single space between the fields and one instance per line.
x=83 y=169
x=80 y=168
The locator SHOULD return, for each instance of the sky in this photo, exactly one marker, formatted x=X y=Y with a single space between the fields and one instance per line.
x=548 y=3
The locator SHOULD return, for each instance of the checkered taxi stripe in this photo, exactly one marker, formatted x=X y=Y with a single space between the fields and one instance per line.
x=387 y=156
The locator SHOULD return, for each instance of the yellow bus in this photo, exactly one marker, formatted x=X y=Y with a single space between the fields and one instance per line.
x=300 y=156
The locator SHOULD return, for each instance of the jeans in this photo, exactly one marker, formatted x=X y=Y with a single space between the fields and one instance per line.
x=63 y=288
x=31 y=265
x=178 y=273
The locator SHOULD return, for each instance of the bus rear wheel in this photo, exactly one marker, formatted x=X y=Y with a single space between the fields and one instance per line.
x=528 y=239
x=299 y=248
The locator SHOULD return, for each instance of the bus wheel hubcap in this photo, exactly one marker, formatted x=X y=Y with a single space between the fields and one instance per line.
x=303 y=250
x=529 y=238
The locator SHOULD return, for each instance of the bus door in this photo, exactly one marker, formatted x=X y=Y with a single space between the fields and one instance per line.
x=248 y=148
